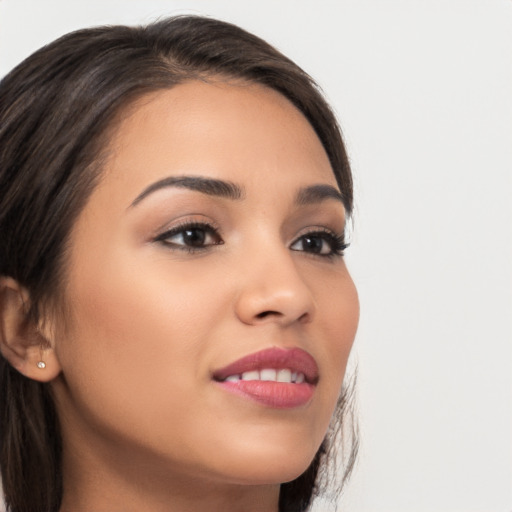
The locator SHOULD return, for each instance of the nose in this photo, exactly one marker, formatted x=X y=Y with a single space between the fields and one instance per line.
x=272 y=289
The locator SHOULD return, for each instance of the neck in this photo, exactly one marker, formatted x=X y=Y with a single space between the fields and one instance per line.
x=103 y=481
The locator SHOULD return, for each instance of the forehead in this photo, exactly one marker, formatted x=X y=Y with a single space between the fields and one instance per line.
x=241 y=132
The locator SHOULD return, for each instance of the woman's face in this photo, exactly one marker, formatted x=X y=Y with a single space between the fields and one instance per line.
x=213 y=235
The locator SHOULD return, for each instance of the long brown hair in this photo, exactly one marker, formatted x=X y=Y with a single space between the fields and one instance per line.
x=55 y=108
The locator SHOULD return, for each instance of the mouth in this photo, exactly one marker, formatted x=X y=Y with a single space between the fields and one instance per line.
x=269 y=374
x=276 y=377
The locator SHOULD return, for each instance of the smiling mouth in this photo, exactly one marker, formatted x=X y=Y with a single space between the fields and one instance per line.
x=269 y=375
x=276 y=377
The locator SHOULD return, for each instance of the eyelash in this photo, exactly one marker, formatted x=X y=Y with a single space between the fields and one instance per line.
x=336 y=242
x=189 y=226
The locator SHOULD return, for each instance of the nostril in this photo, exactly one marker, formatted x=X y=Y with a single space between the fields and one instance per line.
x=265 y=314
x=305 y=317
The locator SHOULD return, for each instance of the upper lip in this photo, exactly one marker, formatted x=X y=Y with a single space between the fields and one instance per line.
x=294 y=359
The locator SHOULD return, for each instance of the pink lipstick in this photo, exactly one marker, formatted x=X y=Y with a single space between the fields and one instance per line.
x=275 y=377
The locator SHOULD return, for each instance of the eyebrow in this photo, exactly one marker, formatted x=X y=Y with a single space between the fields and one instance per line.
x=315 y=194
x=310 y=195
x=208 y=186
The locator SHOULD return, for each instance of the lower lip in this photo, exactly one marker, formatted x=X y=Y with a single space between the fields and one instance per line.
x=279 y=395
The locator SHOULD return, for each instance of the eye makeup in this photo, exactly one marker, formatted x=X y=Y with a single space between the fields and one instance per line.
x=196 y=236
x=321 y=242
x=190 y=236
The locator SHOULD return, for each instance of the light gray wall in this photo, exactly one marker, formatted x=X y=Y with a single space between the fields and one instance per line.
x=424 y=94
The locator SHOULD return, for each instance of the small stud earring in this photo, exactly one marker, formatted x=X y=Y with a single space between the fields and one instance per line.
x=41 y=365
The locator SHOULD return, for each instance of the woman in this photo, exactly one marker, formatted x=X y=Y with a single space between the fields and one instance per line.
x=176 y=315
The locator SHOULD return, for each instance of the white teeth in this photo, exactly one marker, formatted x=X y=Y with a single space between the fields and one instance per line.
x=284 y=376
x=253 y=375
x=269 y=374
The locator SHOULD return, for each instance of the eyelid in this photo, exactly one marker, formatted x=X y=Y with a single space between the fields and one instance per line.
x=333 y=238
x=183 y=221
x=189 y=223
x=319 y=229
x=337 y=241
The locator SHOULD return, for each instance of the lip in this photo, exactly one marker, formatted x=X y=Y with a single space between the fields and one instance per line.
x=280 y=395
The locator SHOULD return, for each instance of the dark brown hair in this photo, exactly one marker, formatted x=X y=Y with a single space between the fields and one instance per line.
x=55 y=110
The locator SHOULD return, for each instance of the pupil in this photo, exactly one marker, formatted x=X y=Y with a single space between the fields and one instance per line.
x=313 y=244
x=194 y=237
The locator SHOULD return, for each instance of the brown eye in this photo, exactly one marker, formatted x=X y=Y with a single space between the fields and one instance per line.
x=191 y=236
x=315 y=244
x=194 y=237
x=321 y=243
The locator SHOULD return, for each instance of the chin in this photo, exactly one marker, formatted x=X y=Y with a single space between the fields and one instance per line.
x=269 y=465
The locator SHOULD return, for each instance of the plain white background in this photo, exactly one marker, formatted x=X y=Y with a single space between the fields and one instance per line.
x=423 y=91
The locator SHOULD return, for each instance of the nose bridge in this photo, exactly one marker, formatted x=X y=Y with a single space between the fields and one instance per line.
x=272 y=287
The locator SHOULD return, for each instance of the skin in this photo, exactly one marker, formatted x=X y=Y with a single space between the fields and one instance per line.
x=144 y=425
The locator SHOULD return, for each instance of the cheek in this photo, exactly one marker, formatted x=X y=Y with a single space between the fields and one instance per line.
x=135 y=329
x=140 y=301
x=338 y=307
x=341 y=311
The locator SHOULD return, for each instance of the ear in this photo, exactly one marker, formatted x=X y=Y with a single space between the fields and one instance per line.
x=21 y=342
